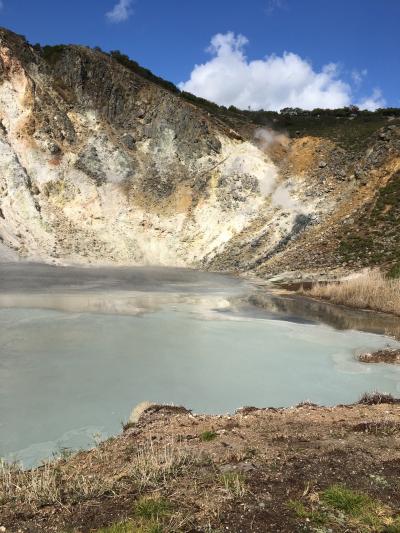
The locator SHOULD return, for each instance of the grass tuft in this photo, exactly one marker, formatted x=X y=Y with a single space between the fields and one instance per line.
x=316 y=517
x=234 y=484
x=152 y=508
x=346 y=500
x=338 y=505
x=208 y=436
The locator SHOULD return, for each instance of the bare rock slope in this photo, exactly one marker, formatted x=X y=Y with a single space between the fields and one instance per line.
x=100 y=165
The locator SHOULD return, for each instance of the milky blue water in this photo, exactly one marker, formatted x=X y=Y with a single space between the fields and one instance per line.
x=78 y=353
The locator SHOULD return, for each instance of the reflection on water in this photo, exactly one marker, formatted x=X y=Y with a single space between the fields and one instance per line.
x=80 y=347
x=338 y=317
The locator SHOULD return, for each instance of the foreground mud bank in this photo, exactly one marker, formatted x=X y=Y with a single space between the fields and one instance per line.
x=306 y=468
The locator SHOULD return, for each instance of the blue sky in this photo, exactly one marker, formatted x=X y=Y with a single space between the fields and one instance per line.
x=337 y=51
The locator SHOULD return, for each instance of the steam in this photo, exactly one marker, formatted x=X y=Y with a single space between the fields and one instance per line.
x=267 y=138
x=281 y=195
x=247 y=168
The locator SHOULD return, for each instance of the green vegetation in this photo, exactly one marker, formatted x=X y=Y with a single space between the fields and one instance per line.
x=375 y=237
x=52 y=54
x=234 y=483
x=207 y=436
x=152 y=508
x=148 y=516
x=314 y=516
x=346 y=500
x=339 y=506
x=394 y=272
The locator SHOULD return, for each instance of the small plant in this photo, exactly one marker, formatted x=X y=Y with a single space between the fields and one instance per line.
x=394 y=272
x=208 y=436
x=313 y=516
x=346 y=500
x=152 y=508
x=338 y=505
x=370 y=514
x=234 y=483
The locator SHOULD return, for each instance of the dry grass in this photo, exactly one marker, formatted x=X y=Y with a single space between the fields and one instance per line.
x=152 y=465
x=163 y=477
x=371 y=290
x=54 y=482
x=234 y=484
x=46 y=485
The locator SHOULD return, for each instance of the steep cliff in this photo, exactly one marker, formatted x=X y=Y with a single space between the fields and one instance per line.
x=100 y=164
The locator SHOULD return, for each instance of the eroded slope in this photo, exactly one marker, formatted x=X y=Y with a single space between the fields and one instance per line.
x=100 y=165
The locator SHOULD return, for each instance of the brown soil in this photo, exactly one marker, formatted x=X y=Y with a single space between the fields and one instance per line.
x=391 y=356
x=271 y=456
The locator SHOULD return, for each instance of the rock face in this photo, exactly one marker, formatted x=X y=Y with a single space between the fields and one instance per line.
x=100 y=165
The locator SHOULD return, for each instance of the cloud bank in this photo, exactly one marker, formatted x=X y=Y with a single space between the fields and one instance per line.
x=271 y=83
x=121 y=11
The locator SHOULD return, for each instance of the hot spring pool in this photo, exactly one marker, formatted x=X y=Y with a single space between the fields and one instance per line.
x=80 y=347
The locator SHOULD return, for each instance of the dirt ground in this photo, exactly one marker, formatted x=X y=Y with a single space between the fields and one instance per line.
x=265 y=470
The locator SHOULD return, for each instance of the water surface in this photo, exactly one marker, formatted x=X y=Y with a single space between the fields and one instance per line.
x=80 y=347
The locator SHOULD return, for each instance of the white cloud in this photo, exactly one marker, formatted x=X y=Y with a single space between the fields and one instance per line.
x=121 y=11
x=272 y=83
x=372 y=102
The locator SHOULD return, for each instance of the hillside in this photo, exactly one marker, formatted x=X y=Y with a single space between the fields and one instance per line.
x=103 y=162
